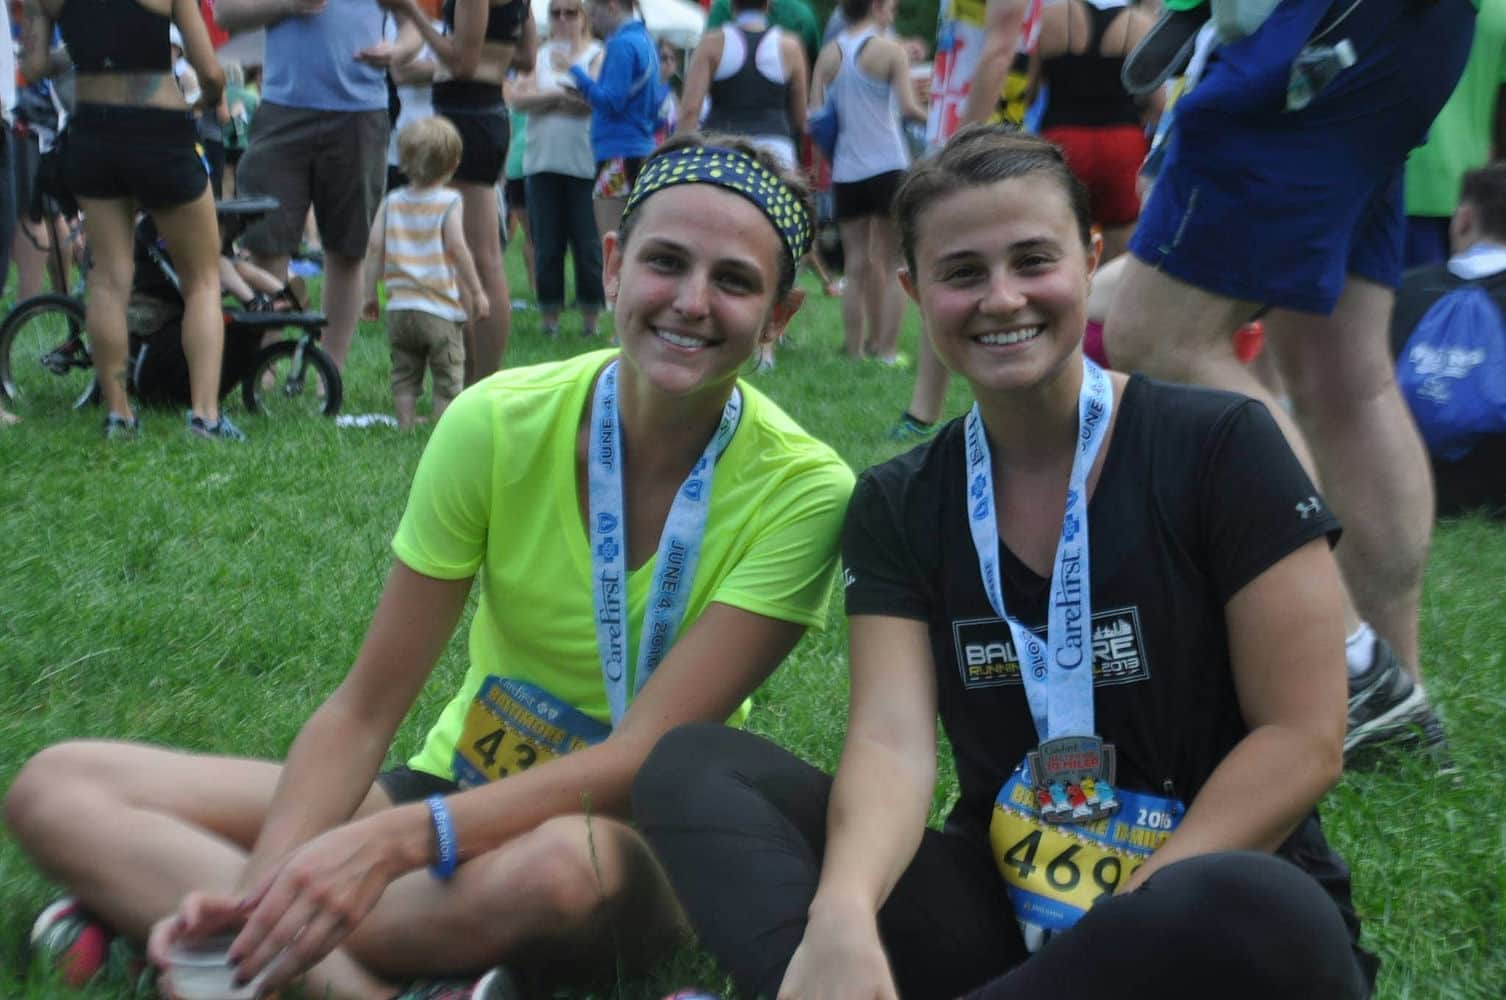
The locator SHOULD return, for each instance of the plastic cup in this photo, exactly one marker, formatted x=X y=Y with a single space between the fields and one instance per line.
x=201 y=970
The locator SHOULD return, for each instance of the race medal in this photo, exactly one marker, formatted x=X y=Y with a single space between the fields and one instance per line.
x=512 y=725
x=1056 y=870
x=1072 y=778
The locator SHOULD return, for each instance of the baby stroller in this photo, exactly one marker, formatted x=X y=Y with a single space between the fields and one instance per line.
x=45 y=362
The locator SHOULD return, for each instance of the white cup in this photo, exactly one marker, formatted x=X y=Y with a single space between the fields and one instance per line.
x=201 y=970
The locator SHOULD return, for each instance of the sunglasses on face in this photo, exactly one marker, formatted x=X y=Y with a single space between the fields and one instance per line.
x=568 y=15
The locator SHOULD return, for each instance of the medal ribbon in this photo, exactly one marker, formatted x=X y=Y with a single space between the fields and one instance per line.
x=679 y=545
x=1057 y=673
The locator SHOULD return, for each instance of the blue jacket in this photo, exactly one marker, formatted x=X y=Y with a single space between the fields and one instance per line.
x=625 y=98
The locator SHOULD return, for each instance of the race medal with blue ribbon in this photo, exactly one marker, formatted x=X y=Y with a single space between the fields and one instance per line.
x=1071 y=774
x=512 y=725
x=679 y=544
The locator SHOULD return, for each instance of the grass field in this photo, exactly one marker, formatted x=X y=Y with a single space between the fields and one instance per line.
x=208 y=597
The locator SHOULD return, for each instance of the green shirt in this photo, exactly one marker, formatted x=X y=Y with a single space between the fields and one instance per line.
x=495 y=497
x=1460 y=137
x=791 y=15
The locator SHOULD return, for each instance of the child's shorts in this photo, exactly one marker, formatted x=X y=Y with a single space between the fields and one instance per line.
x=418 y=340
x=1266 y=205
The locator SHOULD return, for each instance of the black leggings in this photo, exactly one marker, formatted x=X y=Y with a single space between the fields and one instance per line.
x=740 y=825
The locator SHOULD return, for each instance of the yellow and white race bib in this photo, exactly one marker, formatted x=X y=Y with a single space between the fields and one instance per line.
x=1057 y=872
x=512 y=725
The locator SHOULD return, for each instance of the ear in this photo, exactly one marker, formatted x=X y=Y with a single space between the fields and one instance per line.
x=784 y=311
x=907 y=282
x=611 y=266
x=1095 y=253
x=1461 y=228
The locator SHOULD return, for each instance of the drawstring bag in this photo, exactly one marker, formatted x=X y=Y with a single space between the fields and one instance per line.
x=1452 y=372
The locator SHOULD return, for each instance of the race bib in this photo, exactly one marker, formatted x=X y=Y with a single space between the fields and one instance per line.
x=1057 y=872
x=513 y=725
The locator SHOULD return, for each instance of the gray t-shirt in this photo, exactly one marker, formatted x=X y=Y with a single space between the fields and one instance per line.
x=559 y=143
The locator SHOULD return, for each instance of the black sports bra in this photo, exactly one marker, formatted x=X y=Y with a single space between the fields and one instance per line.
x=115 y=36
x=504 y=21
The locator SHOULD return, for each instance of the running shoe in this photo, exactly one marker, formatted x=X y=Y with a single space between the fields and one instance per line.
x=220 y=430
x=497 y=984
x=70 y=939
x=1386 y=710
x=118 y=427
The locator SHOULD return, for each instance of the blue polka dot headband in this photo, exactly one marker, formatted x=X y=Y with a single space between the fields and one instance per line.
x=727 y=168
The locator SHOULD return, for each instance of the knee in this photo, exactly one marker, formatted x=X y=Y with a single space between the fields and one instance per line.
x=669 y=780
x=1258 y=909
x=571 y=870
x=40 y=782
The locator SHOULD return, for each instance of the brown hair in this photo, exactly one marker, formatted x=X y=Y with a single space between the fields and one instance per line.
x=793 y=181
x=1485 y=189
x=979 y=155
x=428 y=150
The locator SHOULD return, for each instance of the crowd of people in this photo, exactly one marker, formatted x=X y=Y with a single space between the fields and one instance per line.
x=1125 y=596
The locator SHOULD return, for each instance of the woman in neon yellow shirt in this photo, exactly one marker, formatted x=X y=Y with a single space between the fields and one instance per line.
x=725 y=518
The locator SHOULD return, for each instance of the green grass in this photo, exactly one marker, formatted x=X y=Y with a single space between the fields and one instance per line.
x=209 y=597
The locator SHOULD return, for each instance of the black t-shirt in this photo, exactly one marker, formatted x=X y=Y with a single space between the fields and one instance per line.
x=1198 y=494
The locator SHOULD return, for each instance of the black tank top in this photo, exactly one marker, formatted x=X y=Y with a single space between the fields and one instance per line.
x=504 y=21
x=747 y=102
x=115 y=36
x=1085 y=88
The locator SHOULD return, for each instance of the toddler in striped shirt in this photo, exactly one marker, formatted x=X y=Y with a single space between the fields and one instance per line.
x=418 y=250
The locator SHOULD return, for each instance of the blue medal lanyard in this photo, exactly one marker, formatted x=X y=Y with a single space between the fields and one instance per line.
x=679 y=545
x=1057 y=673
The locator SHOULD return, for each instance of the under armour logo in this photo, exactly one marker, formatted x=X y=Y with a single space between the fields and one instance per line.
x=1307 y=508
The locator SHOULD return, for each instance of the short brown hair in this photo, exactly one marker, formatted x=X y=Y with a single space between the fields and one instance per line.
x=428 y=150
x=979 y=155
x=1485 y=189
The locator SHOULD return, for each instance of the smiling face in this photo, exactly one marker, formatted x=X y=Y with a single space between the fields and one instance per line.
x=1001 y=276
x=694 y=300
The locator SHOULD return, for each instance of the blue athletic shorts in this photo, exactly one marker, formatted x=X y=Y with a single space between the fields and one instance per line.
x=1276 y=207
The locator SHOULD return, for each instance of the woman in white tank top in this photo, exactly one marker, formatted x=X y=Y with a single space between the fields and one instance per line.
x=867 y=73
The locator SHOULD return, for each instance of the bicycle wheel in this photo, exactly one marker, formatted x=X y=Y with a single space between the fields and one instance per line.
x=45 y=364
x=292 y=378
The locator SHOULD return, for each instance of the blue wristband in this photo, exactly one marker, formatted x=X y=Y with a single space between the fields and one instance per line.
x=444 y=838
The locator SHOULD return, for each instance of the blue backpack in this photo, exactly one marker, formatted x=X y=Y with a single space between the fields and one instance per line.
x=1452 y=372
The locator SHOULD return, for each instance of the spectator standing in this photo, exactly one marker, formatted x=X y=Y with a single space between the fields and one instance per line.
x=241 y=100
x=1468 y=132
x=418 y=248
x=478 y=43
x=131 y=146
x=1089 y=114
x=515 y=194
x=624 y=98
x=558 y=170
x=866 y=72
x=1310 y=178
x=318 y=140
x=756 y=78
x=794 y=16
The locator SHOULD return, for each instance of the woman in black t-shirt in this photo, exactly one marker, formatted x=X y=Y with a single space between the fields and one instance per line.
x=1143 y=827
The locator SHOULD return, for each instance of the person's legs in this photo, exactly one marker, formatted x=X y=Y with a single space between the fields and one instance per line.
x=108 y=225
x=607 y=213
x=192 y=234
x=341 y=304
x=585 y=250
x=1338 y=373
x=855 y=250
x=740 y=826
x=488 y=337
x=548 y=219
x=888 y=295
x=1236 y=925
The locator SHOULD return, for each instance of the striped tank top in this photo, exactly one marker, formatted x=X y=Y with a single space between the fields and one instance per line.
x=418 y=274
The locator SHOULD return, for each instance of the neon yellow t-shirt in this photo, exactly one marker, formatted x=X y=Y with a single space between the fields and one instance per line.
x=495 y=495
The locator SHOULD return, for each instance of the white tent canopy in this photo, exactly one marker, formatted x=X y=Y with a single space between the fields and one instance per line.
x=680 y=21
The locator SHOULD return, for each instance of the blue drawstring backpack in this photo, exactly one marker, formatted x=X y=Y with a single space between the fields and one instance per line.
x=1452 y=372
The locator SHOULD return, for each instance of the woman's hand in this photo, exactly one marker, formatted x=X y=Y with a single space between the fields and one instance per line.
x=378 y=55
x=312 y=901
x=840 y=958
x=200 y=915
